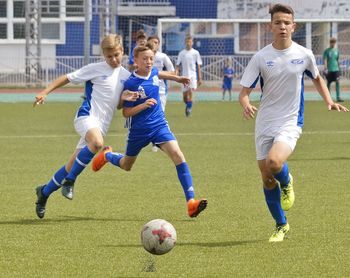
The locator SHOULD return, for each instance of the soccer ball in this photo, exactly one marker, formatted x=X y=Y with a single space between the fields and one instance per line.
x=158 y=236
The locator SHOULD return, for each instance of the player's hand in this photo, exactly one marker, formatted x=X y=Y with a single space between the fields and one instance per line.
x=249 y=111
x=39 y=99
x=150 y=102
x=199 y=82
x=184 y=80
x=338 y=107
x=130 y=95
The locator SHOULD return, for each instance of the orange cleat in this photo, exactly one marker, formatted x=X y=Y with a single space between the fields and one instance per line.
x=195 y=207
x=100 y=159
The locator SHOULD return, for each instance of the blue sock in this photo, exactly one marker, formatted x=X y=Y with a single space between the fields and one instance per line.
x=184 y=175
x=55 y=182
x=189 y=104
x=81 y=161
x=273 y=200
x=114 y=158
x=283 y=176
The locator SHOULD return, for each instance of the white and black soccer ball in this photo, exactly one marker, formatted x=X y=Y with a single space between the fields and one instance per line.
x=158 y=236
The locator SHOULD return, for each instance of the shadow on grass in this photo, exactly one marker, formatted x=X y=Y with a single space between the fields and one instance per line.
x=198 y=244
x=49 y=221
x=319 y=159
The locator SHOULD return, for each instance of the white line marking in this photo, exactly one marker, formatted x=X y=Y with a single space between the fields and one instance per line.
x=327 y=132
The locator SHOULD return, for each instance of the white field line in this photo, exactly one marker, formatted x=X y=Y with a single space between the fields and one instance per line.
x=233 y=134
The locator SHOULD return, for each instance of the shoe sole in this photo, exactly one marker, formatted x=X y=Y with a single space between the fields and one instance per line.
x=201 y=206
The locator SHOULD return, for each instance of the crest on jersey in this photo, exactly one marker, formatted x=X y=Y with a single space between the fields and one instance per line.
x=270 y=63
x=297 y=61
x=141 y=92
x=155 y=80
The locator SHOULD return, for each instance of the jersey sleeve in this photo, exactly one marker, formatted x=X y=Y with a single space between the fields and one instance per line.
x=168 y=64
x=81 y=75
x=251 y=73
x=178 y=60
x=311 y=69
x=199 y=59
x=127 y=86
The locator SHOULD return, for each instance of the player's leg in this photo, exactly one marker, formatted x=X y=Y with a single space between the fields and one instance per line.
x=94 y=142
x=272 y=194
x=223 y=92
x=194 y=206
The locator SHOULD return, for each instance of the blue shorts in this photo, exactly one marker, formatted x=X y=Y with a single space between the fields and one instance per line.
x=137 y=141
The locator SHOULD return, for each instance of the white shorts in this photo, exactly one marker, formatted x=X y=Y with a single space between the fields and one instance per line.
x=83 y=124
x=192 y=85
x=265 y=137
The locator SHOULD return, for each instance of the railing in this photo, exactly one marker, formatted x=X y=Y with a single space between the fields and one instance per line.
x=144 y=3
x=212 y=68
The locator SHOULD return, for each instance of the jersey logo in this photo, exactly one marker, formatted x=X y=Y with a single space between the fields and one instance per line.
x=270 y=63
x=297 y=61
x=155 y=80
x=141 y=92
x=104 y=77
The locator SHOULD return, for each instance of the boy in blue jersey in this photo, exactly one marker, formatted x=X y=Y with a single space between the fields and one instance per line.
x=104 y=91
x=228 y=77
x=281 y=67
x=147 y=124
x=141 y=40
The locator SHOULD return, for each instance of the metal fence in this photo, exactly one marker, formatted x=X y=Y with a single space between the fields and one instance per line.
x=212 y=69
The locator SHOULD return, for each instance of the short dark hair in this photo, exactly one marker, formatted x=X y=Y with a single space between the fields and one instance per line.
x=281 y=8
x=332 y=40
x=141 y=35
x=154 y=37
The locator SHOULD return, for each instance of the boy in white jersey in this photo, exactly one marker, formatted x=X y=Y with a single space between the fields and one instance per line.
x=147 y=124
x=190 y=61
x=104 y=87
x=281 y=67
x=161 y=62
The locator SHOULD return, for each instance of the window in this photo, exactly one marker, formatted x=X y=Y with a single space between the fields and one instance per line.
x=19 y=31
x=19 y=9
x=50 y=31
x=3 y=9
x=75 y=8
x=3 y=31
x=50 y=9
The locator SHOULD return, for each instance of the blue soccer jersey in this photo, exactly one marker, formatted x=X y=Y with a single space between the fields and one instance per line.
x=148 y=87
x=149 y=125
x=228 y=76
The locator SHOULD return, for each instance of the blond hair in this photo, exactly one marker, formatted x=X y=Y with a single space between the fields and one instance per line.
x=112 y=41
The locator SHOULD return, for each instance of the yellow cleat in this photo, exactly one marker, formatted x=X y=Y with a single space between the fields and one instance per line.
x=287 y=195
x=279 y=234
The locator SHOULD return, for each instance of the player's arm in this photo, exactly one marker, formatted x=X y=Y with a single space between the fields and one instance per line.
x=324 y=92
x=169 y=76
x=132 y=111
x=59 y=82
x=248 y=109
x=177 y=70
x=127 y=96
x=199 y=81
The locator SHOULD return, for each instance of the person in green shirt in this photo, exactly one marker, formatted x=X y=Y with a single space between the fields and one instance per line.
x=331 y=67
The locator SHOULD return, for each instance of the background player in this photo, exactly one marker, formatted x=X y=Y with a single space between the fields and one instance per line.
x=331 y=66
x=141 y=40
x=147 y=124
x=228 y=77
x=161 y=62
x=104 y=85
x=280 y=66
x=190 y=61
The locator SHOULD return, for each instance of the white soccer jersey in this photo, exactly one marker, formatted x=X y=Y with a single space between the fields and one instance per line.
x=188 y=60
x=104 y=85
x=163 y=62
x=281 y=75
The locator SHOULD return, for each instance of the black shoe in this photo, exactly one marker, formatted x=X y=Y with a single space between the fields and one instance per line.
x=67 y=188
x=188 y=111
x=40 y=202
x=340 y=100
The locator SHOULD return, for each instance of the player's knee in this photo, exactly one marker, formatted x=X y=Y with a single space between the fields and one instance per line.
x=274 y=165
x=96 y=146
x=127 y=168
